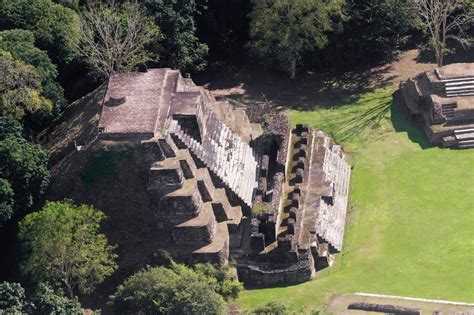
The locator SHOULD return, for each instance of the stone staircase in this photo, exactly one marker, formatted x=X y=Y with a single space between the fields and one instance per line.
x=464 y=138
x=200 y=213
x=448 y=110
x=225 y=153
x=459 y=86
x=332 y=215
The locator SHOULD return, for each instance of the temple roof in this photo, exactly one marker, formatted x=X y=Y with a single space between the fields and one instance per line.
x=133 y=102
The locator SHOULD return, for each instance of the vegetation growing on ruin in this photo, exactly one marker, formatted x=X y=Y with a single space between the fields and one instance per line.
x=102 y=163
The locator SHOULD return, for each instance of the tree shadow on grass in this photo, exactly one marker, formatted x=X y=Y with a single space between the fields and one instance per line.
x=249 y=84
x=351 y=126
x=458 y=54
x=402 y=123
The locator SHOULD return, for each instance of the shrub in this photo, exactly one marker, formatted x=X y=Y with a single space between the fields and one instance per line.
x=102 y=163
x=175 y=290
x=12 y=298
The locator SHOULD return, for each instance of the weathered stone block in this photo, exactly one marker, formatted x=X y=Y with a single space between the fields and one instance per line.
x=292 y=213
x=298 y=179
x=301 y=163
x=291 y=226
x=164 y=179
x=262 y=185
x=257 y=242
x=284 y=243
x=295 y=200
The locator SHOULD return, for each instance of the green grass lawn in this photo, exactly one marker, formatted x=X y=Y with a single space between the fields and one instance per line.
x=411 y=222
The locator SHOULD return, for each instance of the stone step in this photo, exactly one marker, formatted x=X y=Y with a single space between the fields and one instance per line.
x=460 y=89
x=216 y=252
x=467 y=130
x=233 y=215
x=449 y=106
x=470 y=141
x=466 y=146
x=168 y=148
x=464 y=136
x=458 y=83
x=196 y=231
x=457 y=79
x=459 y=94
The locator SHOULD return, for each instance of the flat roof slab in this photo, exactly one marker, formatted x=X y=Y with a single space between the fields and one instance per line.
x=132 y=102
x=456 y=70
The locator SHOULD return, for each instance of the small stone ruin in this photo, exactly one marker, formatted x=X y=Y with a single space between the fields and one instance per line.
x=227 y=182
x=443 y=101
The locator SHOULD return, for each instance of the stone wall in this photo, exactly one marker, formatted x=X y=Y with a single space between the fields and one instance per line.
x=281 y=271
x=199 y=231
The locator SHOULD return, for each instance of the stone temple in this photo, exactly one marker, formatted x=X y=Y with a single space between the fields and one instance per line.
x=228 y=183
x=443 y=100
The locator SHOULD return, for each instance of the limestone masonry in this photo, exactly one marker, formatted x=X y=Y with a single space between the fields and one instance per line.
x=443 y=100
x=228 y=182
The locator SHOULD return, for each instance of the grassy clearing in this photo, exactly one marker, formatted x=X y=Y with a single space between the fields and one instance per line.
x=411 y=223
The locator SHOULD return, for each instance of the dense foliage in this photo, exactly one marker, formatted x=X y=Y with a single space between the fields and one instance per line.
x=56 y=28
x=179 y=48
x=6 y=201
x=64 y=248
x=24 y=165
x=176 y=290
x=21 y=45
x=21 y=89
x=46 y=301
x=13 y=300
x=283 y=30
x=372 y=30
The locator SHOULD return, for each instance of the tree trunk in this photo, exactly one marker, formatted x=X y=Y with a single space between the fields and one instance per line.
x=69 y=292
x=439 y=55
x=292 y=68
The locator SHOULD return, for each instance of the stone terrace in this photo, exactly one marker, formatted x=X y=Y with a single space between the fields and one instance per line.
x=443 y=100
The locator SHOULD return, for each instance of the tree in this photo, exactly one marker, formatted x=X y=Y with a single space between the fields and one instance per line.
x=71 y=4
x=179 y=48
x=46 y=301
x=21 y=45
x=445 y=20
x=25 y=167
x=64 y=248
x=20 y=89
x=10 y=127
x=174 y=290
x=6 y=201
x=220 y=279
x=12 y=298
x=282 y=30
x=56 y=27
x=114 y=37
x=373 y=31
